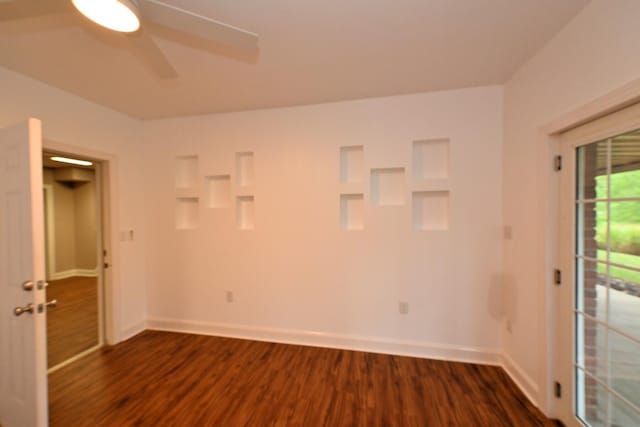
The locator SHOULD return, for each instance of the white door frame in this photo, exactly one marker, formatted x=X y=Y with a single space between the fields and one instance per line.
x=617 y=123
x=107 y=191
x=548 y=219
x=50 y=238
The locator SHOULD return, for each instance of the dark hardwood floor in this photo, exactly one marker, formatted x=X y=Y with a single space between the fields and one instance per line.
x=72 y=326
x=169 y=379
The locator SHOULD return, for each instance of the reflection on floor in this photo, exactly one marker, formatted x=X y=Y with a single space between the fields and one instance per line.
x=72 y=326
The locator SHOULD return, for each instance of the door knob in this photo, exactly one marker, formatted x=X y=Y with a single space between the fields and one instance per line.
x=52 y=303
x=19 y=311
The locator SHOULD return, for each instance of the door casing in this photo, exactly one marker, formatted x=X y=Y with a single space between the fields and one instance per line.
x=563 y=336
x=106 y=167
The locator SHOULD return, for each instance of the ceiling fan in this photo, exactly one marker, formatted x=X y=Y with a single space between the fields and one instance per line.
x=129 y=17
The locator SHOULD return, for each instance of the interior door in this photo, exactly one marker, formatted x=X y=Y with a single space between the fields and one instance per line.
x=597 y=348
x=23 y=363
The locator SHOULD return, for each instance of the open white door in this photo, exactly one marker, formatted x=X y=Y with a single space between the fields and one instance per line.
x=23 y=359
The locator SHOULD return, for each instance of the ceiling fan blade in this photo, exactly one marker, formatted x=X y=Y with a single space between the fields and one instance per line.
x=24 y=9
x=149 y=52
x=198 y=25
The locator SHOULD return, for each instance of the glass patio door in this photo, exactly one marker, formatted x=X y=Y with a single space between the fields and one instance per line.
x=599 y=311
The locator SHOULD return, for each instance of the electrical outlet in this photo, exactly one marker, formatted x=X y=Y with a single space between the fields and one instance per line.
x=403 y=307
x=508 y=232
x=229 y=296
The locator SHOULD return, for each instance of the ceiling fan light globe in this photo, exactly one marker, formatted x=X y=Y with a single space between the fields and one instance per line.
x=117 y=15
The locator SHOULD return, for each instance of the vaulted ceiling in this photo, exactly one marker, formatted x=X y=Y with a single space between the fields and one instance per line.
x=309 y=52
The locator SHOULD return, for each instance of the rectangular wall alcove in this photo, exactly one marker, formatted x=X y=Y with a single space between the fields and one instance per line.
x=218 y=191
x=245 y=212
x=352 y=211
x=387 y=187
x=431 y=159
x=244 y=169
x=351 y=164
x=430 y=210
x=186 y=171
x=187 y=213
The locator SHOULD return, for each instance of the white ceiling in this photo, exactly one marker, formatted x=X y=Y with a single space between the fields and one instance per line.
x=311 y=51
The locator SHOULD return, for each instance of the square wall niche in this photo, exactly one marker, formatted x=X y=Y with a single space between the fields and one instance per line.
x=244 y=168
x=387 y=187
x=431 y=159
x=186 y=213
x=352 y=211
x=351 y=164
x=430 y=210
x=245 y=212
x=218 y=191
x=186 y=171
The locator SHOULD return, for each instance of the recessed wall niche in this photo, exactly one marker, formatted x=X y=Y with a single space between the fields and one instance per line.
x=218 y=191
x=245 y=212
x=430 y=210
x=186 y=171
x=351 y=164
x=387 y=187
x=431 y=159
x=244 y=168
x=186 y=213
x=352 y=211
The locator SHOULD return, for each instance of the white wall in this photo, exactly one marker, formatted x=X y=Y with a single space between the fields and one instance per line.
x=297 y=272
x=69 y=120
x=593 y=55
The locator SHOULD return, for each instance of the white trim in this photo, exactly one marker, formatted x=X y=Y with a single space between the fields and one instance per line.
x=132 y=330
x=548 y=146
x=49 y=217
x=613 y=101
x=74 y=272
x=331 y=340
x=418 y=349
x=110 y=224
x=526 y=384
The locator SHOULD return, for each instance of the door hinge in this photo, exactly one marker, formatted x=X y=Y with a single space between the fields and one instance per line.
x=557 y=389
x=557 y=163
x=557 y=276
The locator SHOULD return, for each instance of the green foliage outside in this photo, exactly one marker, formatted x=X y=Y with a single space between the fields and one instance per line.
x=624 y=226
x=621 y=273
x=625 y=216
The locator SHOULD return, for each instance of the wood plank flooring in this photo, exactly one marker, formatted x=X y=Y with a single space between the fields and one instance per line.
x=170 y=379
x=72 y=326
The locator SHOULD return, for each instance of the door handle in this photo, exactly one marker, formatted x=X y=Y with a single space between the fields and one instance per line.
x=19 y=311
x=29 y=308
x=28 y=285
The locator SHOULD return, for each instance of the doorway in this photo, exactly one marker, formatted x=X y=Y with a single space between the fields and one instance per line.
x=598 y=338
x=73 y=256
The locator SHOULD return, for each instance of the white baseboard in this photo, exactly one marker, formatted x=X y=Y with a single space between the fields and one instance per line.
x=75 y=272
x=330 y=340
x=521 y=378
x=350 y=342
x=132 y=330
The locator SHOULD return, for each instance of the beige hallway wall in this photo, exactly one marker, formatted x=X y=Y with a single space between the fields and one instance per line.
x=75 y=224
